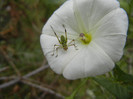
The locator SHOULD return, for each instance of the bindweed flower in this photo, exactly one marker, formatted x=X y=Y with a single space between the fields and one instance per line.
x=98 y=30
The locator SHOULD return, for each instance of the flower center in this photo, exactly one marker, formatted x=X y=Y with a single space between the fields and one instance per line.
x=85 y=38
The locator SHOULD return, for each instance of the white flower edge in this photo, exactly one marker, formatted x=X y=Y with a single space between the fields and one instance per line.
x=108 y=28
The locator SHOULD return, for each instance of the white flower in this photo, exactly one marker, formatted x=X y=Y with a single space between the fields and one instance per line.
x=99 y=28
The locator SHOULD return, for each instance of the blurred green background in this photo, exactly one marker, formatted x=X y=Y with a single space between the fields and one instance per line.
x=21 y=22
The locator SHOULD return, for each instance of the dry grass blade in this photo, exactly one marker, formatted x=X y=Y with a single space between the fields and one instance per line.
x=3 y=69
x=10 y=61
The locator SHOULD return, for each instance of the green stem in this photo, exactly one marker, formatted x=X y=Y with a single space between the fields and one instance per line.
x=77 y=89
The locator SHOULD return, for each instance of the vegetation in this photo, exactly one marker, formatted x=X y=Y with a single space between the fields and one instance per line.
x=21 y=22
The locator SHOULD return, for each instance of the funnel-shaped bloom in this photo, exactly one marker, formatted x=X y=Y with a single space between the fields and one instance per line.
x=99 y=28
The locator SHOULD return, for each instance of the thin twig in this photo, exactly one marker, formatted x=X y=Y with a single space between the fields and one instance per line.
x=12 y=82
x=36 y=71
x=43 y=89
x=31 y=84
x=51 y=85
x=37 y=82
x=3 y=69
x=10 y=62
x=7 y=78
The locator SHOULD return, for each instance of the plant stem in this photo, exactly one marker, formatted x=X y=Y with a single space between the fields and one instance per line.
x=77 y=89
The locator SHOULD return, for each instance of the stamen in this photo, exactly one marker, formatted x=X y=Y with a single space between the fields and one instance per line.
x=85 y=38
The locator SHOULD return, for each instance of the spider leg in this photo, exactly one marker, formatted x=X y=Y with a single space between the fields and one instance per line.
x=65 y=31
x=74 y=46
x=55 y=34
x=55 y=49
x=73 y=41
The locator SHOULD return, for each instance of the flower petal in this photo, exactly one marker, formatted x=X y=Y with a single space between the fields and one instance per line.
x=100 y=9
x=82 y=11
x=62 y=16
x=90 y=61
x=111 y=33
x=89 y=12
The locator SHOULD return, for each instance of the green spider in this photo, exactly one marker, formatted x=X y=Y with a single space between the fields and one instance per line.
x=63 y=42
